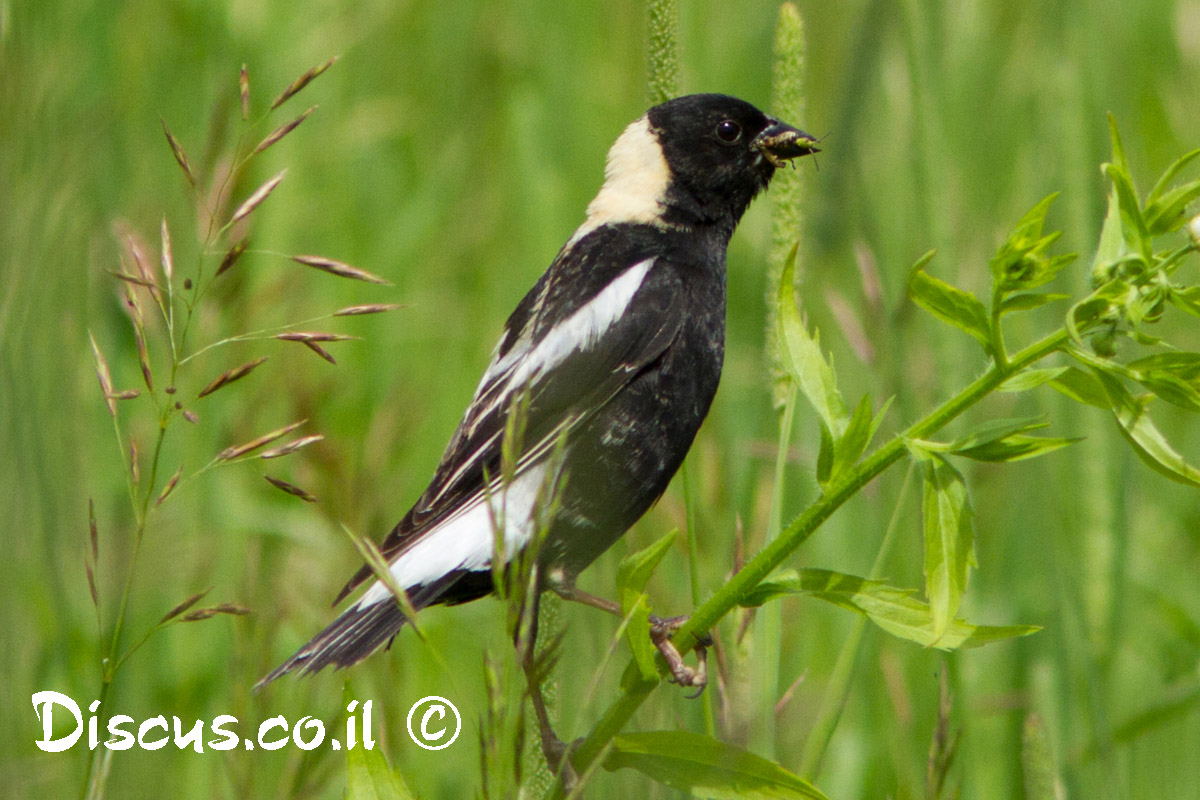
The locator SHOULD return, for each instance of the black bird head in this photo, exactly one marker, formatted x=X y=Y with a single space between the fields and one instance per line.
x=721 y=152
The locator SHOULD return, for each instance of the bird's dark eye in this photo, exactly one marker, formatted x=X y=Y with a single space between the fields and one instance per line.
x=729 y=131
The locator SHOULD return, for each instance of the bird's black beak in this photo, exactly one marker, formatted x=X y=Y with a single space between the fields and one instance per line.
x=780 y=141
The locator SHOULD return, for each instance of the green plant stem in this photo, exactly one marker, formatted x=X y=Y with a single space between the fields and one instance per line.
x=637 y=689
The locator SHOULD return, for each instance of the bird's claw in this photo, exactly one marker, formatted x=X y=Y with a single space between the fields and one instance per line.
x=681 y=674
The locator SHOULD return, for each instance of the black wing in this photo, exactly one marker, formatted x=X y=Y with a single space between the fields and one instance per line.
x=562 y=378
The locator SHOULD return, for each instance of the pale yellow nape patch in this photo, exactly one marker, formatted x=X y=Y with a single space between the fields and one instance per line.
x=636 y=177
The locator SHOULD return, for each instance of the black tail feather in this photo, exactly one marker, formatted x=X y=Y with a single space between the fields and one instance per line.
x=359 y=632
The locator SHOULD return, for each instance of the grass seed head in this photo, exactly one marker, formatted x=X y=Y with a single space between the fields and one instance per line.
x=255 y=200
x=321 y=351
x=180 y=156
x=229 y=376
x=230 y=453
x=291 y=447
x=280 y=132
x=168 y=259
x=370 y=308
x=300 y=83
x=232 y=256
x=170 y=487
x=291 y=489
x=244 y=91
x=104 y=376
x=342 y=270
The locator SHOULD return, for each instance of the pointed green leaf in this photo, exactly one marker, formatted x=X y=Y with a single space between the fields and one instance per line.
x=825 y=453
x=1170 y=388
x=1187 y=299
x=801 y=354
x=1133 y=223
x=1168 y=213
x=1112 y=242
x=1027 y=301
x=635 y=569
x=1142 y=434
x=894 y=610
x=1017 y=447
x=706 y=767
x=949 y=303
x=854 y=441
x=1028 y=379
x=993 y=431
x=949 y=540
x=370 y=777
x=1169 y=174
x=1081 y=387
x=635 y=606
x=633 y=573
x=1183 y=365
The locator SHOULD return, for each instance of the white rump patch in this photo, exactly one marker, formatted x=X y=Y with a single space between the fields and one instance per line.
x=466 y=540
x=636 y=178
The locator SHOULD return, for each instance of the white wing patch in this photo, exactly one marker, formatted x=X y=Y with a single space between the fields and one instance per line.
x=636 y=177
x=525 y=364
x=466 y=540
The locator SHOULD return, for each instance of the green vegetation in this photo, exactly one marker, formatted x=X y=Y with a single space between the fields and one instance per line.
x=451 y=153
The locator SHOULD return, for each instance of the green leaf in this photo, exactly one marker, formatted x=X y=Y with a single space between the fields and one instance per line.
x=635 y=569
x=1187 y=299
x=370 y=777
x=1169 y=174
x=894 y=610
x=1183 y=365
x=1021 y=263
x=1017 y=447
x=949 y=540
x=1081 y=387
x=854 y=441
x=1028 y=379
x=948 y=303
x=825 y=453
x=1133 y=223
x=1111 y=248
x=706 y=767
x=1142 y=434
x=636 y=608
x=1169 y=212
x=1027 y=301
x=994 y=431
x=801 y=355
x=1170 y=388
x=633 y=573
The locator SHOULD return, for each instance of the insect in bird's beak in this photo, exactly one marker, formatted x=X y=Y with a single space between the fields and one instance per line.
x=780 y=142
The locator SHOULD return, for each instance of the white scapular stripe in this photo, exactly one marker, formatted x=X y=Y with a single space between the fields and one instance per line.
x=466 y=540
x=636 y=177
x=577 y=332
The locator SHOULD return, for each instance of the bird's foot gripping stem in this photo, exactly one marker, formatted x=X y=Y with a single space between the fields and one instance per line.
x=660 y=633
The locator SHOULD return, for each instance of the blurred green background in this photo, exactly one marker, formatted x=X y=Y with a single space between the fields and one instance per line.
x=455 y=148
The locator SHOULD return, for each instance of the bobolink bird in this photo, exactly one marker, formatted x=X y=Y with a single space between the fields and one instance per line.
x=614 y=356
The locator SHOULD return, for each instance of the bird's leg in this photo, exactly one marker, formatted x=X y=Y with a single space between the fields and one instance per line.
x=660 y=633
x=568 y=591
x=554 y=750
